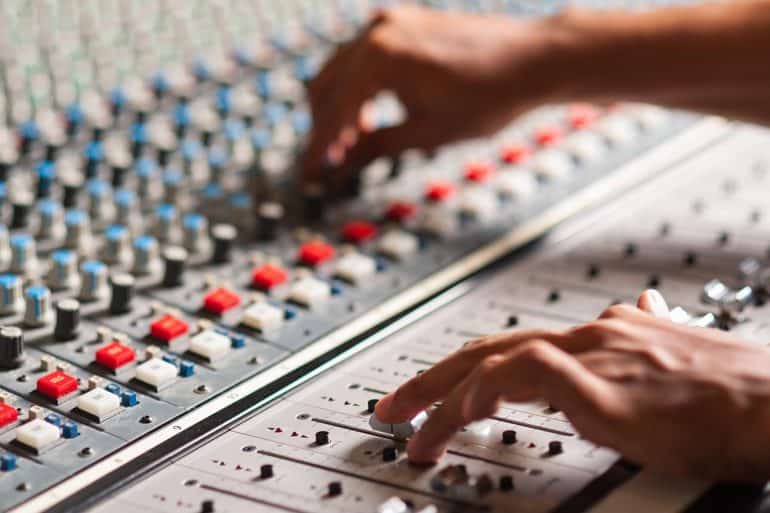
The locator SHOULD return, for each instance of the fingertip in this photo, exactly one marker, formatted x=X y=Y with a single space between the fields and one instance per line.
x=653 y=302
x=423 y=454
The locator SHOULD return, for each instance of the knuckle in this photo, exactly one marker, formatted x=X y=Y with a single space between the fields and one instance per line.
x=536 y=351
x=618 y=311
x=489 y=364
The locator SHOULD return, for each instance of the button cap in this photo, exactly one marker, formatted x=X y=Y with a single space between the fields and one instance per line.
x=156 y=373
x=310 y=292
x=11 y=347
x=57 y=384
x=210 y=345
x=115 y=355
x=8 y=415
x=359 y=232
x=220 y=300
x=479 y=172
x=67 y=319
x=440 y=191
x=99 y=403
x=37 y=434
x=268 y=276
x=263 y=316
x=549 y=135
x=515 y=153
x=168 y=328
x=315 y=253
x=38 y=310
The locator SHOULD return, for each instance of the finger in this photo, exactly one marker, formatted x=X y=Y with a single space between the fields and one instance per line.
x=435 y=383
x=652 y=302
x=537 y=370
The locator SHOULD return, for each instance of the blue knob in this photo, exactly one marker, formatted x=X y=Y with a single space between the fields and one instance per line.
x=186 y=369
x=113 y=388
x=38 y=306
x=23 y=254
x=169 y=359
x=237 y=342
x=54 y=419
x=145 y=254
x=11 y=300
x=46 y=175
x=70 y=430
x=93 y=279
x=8 y=462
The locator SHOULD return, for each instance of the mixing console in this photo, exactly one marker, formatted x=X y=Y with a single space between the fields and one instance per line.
x=162 y=272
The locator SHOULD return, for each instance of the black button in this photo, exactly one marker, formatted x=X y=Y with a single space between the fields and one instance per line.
x=322 y=438
x=593 y=271
x=555 y=448
x=335 y=488
x=371 y=405
x=513 y=320
x=506 y=483
x=509 y=437
x=554 y=296
x=389 y=454
x=266 y=471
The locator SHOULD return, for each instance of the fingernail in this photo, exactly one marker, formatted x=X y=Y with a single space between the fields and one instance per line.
x=658 y=303
x=382 y=409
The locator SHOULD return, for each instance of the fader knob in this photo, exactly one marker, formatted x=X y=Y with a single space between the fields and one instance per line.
x=93 y=281
x=11 y=347
x=122 y=293
x=67 y=319
x=174 y=259
x=269 y=219
x=224 y=235
x=11 y=300
x=63 y=273
x=207 y=506
x=322 y=437
x=555 y=447
x=506 y=483
x=38 y=310
x=266 y=471
x=389 y=454
x=371 y=405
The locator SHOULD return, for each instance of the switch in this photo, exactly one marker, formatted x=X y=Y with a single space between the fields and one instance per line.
x=268 y=276
x=220 y=300
x=156 y=373
x=398 y=244
x=440 y=191
x=355 y=268
x=210 y=345
x=310 y=292
x=8 y=462
x=8 y=415
x=359 y=232
x=115 y=355
x=315 y=253
x=99 y=403
x=263 y=316
x=57 y=385
x=479 y=172
x=37 y=434
x=167 y=328
x=515 y=153
x=400 y=211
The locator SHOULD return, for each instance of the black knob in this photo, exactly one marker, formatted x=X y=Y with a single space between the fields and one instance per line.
x=389 y=454
x=174 y=259
x=266 y=471
x=118 y=175
x=506 y=483
x=269 y=218
x=555 y=448
x=313 y=202
x=207 y=506
x=335 y=488
x=11 y=347
x=509 y=437
x=71 y=185
x=67 y=319
x=690 y=259
x=322 y=438
x=513 y=320
x=21 y=208
x=122 y=293
x=554 y=296
x=224 y=235
x=371 y=405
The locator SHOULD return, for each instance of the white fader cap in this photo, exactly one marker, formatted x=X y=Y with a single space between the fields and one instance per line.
x=401 y=431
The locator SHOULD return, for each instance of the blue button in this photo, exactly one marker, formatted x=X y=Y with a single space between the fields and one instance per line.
x=145 y=242
x=169 y=359
x=165 y=211
x=186 y=369
x=63 y=257
x=193 y=221
x=212 y=191
x=336 y=288
x=382 y=264
x=70 y=430
x=21 y=241
x=113 y=388
x=92 y=267
x=241 y=200
x=128 y=399
x=237 y=342
x=30 y=130
x=54 y=419
x=8 y=462
x=48 y=208
x=139 y=133
x=46 y=174
x=289 y=313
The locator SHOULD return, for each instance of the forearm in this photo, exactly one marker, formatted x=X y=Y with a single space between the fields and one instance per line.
x=712 y=58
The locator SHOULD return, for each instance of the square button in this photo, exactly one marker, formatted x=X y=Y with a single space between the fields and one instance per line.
x=315 y=253
x=400 y=211
x=355 y=268
x=99 y=403
x=37 y=434
x=268 y=276
x=359 y=232
x=168 y=328
x=220 y=300
x=398 y=244
x=263 y=316
x=440 y=191
x=210 y=345
x=115 y=355
x=8 y=415
x=156 y=373
x=310 y=292
x=57 y=385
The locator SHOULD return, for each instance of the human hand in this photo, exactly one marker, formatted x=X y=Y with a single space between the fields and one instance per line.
x=458 y=75
x=678 y=399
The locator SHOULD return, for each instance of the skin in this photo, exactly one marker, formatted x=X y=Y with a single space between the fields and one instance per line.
x=681 y=400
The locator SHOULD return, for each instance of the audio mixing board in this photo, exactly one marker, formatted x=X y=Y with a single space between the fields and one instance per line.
x=172 y=305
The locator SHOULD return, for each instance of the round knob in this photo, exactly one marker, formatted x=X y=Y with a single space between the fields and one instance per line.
x=509 y=437
x=145 y=255
x=166 y=217
x=11 y=347
x=266 y=471
x=100 y=206
x=38 y=310
x=224 y=236
x=11 y=300
x=322 y=437
x=117 y=245
x=63 y=273
x=195 y=229
x=93 y=281
x=555 y=447
x=335 y=488
x=122 y=293
x=71 y=185
x=67 y=319
x=269 y=219
x=174 y=259
x=23 y=254
x=77 y=231
x=46 y=176
x=50 y=226
x=20 y=210
x=126 y=205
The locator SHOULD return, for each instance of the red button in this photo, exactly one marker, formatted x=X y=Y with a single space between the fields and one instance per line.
x=548 y=135
x=8 y=415
x=359 y=231
x=440 y=191
x=115 y=355
x=57 y=384
x=400 y=211
x=168 y=328
x=478 y=171
x=221 y=300
x=582 y=115
x=515 y=153
x=268 y=276
x=315 y=252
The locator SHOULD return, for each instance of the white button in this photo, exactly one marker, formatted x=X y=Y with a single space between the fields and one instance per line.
x=440 y=220
x=310 y=291
x=398 y=244
x=99 y=402
x=617 y=129
x=263 y=316
x=355 y=267
x=210 y=345
x=37 y=434
x=480 y=203
x=650 y=117
x=516 y=184
x=156 y=373
x=552 y=164
x=587 y=147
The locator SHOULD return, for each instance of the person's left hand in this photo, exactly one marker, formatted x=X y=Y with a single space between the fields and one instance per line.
x=678 y=399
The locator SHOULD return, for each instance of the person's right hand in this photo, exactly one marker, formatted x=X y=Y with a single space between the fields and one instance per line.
x=458 y=75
